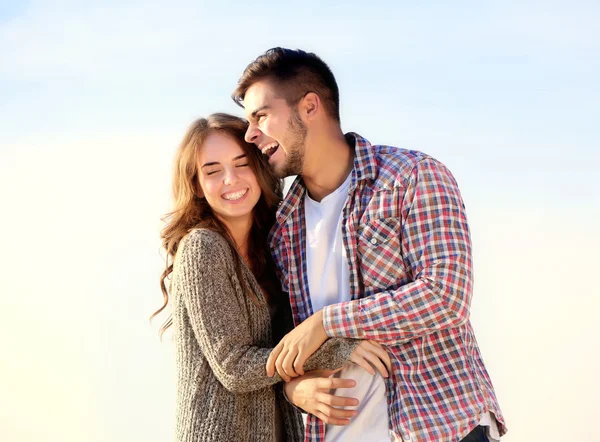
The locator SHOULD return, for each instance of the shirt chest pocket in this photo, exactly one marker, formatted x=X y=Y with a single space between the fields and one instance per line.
x=380 y=253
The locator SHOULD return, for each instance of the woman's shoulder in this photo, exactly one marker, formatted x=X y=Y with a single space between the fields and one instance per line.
x=204 y=243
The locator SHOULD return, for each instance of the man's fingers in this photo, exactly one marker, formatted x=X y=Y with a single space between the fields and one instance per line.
x=272 y=358
x=287 y=364
x=279 y=366
x=299 y=363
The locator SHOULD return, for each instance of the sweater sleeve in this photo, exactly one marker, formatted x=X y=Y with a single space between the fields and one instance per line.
x=334 y=353
x=220 y=322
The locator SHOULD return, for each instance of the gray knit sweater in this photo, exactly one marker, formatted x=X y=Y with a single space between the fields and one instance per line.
x=222 y=342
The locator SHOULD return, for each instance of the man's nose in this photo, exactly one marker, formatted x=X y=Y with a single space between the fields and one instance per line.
x=252 y=133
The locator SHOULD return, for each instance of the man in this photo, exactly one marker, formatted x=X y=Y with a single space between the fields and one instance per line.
x=371 y=242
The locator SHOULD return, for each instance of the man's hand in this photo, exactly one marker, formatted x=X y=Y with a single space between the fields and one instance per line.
x=311 y=393
x=289 y=356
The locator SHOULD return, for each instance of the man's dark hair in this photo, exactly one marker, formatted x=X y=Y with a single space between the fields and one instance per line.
x=294 y=73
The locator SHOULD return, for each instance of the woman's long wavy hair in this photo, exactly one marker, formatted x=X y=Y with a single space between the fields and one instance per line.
x=192 y=211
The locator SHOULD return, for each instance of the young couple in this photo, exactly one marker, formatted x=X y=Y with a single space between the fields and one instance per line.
x=368 y=256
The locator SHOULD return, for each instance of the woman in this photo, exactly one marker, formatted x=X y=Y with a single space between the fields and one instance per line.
x=224 y=293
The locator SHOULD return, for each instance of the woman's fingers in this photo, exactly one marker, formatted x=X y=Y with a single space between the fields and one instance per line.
x=331 y=420
x=382 y=353
x=376 y=362
x=369 y=354
x=336 y=401
x=358 y=358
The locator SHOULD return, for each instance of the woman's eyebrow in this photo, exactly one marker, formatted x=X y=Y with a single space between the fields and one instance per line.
x=214 y=163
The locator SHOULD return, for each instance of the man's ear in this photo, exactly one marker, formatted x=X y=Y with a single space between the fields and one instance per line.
x=310 y=106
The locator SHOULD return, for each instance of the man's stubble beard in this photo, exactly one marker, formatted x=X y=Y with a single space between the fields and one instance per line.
x=295 y=154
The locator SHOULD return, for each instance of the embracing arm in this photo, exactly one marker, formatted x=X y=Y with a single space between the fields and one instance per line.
x=436 y=245
x=220 y=322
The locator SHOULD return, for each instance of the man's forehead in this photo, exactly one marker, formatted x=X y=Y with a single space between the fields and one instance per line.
x=259 y=94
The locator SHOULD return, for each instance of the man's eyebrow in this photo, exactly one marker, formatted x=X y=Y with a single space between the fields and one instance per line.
x=253 y=114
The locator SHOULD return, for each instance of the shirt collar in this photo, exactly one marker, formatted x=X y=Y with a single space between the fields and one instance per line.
x=364 y=169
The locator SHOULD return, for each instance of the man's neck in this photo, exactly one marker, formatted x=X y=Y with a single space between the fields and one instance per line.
x=330 y=162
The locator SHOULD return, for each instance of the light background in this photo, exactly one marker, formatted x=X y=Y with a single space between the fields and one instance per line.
x=95 y=97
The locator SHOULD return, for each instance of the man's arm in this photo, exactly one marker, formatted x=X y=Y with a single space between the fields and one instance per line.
x=333 y=353
x=436 y=245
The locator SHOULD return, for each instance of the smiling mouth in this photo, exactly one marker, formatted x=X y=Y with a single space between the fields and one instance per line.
x=234 y=196
x=270 y=149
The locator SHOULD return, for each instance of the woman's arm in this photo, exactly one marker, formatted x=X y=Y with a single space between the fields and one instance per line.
x=220 y=324
x=333 y=354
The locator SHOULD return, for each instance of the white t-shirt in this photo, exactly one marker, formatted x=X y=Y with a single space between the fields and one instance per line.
x=329 y=283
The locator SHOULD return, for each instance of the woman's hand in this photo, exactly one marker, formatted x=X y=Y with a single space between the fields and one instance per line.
x=371 y=354
x=311 y=393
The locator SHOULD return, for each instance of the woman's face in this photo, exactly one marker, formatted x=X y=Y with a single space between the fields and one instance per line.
x=226 y=179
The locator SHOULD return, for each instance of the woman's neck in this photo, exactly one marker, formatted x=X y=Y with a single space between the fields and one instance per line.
x=239 y=229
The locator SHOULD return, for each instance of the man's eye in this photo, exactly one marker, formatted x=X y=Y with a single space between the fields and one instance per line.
x=260 y=117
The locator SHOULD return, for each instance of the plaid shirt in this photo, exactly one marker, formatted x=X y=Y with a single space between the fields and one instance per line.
x=409 y=256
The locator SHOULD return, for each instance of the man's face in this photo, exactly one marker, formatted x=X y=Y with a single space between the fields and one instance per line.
x=275 y=128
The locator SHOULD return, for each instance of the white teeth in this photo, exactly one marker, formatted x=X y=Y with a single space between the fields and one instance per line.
x=267 y=149
x=235 y=195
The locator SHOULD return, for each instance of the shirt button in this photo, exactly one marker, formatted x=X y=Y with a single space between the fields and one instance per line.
x=373 y=241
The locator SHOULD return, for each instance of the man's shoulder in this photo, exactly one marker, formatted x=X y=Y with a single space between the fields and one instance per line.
x=394 y=164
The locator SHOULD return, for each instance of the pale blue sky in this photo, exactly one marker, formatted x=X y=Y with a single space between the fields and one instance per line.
x=96 y=95
x=480 y=81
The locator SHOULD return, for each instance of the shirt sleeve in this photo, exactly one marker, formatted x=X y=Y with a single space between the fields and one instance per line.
x=436 y=247
x=220 y=322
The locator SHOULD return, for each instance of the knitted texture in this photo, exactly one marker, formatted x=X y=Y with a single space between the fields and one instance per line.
x=222 y=341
